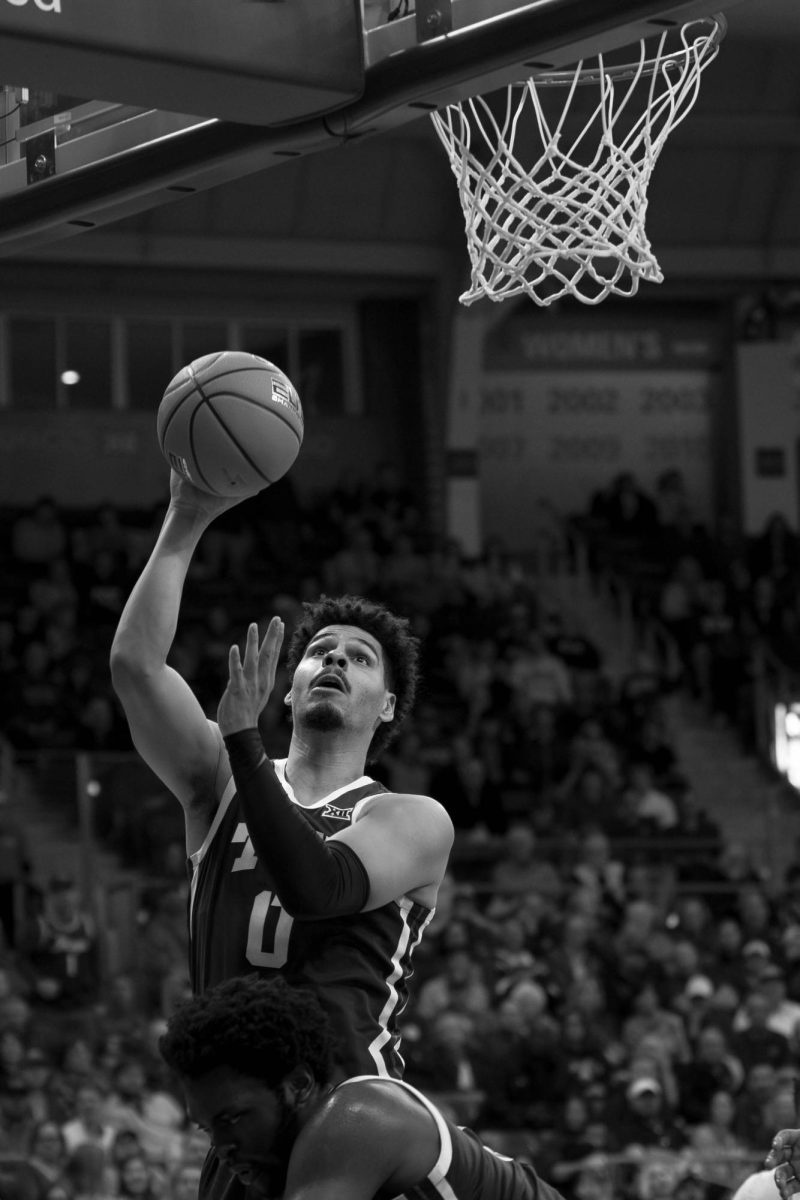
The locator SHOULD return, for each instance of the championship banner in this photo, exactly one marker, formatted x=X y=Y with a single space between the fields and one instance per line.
x=553 y=407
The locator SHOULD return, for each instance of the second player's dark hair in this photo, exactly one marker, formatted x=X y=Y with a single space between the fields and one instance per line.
x=260 y=1027
x=399 y=645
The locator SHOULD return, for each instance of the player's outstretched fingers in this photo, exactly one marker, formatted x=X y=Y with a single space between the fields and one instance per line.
x=269 y=654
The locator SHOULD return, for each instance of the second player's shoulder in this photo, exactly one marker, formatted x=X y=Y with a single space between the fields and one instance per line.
x=367 y=1109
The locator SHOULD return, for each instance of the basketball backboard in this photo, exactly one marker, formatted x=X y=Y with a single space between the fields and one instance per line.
x=153 y=121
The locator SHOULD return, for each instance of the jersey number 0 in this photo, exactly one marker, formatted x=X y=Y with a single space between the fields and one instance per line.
x=269 y=932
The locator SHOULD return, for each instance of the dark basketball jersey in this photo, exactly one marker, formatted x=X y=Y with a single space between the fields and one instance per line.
x=468 y=1170
x=360 y=964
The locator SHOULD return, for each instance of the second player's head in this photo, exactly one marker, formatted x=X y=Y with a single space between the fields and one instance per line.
x=250 y=1054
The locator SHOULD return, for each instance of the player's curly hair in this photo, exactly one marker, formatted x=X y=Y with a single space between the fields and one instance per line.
x=400 y=650
x=260 y=1027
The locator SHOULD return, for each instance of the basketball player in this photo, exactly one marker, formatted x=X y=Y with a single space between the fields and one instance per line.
x=253 y=1059
x=306 y=867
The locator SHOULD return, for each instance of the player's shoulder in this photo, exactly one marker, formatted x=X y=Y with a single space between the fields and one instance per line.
x=372 y=1100
x=364 y=1116
x=421 y=806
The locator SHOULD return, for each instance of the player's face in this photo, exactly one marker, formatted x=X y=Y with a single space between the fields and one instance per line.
x=340 y=682
x=252 y=1127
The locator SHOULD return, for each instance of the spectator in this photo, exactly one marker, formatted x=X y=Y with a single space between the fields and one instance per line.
x=626 y=509
x=755 y=1042
x=645 y=1122
x=62 y=950
x=575 y=955
x=753 y=1122
x=714 y=1068
x=536 y=751
x=16 y=1119
x=587 y=799
x=650 y=1018
x=88 y=1125
x=47 y=1154
x=755 y=958
x=726 y=953
x=459 y=987
x=597 y=868
x=122 y=1012
x=36 y=1070
x=138 y=1180
x=163 y=943
x=12 y=1055
x=184 y=1181
x=516 y=1052
x=77 y=1069
x=679 y=601
x=513 y=960
x=355 y=568
x=726 y=1159
x=520 y=870
x=572 y=1145
x=153 y=1115
x=718 y=653
x=447 y=1069
x=34 y=720
x=126 y=1144
x=462 y=786
x=653 y=809
x=88 y=1176
x=403 y=766
x=582 y=1057
x=790 y=951
x=38 y=535
x=537 y=677
x=783 y=1014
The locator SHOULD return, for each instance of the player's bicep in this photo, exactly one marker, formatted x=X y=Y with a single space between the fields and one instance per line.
x=171 y=732
x=403 y=843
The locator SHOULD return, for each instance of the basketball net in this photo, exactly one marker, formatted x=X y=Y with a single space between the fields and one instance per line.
x=573 y=222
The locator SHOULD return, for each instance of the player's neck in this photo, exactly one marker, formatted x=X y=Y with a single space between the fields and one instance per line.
x=315 y=768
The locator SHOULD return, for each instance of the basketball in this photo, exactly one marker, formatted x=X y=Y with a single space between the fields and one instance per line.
x=231 y=423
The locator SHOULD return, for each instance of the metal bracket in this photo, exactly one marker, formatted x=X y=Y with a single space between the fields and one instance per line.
x=40 y=156
x=434 y=19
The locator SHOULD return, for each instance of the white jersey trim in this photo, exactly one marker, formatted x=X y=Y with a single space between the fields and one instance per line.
x=198 y=856
x=376 y=1046
x=437 y=1175
x=280 y=770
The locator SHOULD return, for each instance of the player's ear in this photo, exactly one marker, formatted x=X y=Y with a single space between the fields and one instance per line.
x=297 y=1085
x=287 y=699
x=387 y=711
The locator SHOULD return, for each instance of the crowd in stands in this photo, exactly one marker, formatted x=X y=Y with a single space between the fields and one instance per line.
x=715 y=590
x=610 y=985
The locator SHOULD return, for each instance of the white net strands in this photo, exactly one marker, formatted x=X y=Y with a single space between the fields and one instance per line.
x=572 y=221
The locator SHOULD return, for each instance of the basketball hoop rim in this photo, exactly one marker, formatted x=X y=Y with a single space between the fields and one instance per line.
x=643 y=69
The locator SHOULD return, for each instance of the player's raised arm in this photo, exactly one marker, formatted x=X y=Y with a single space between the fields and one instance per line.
x=167 y=723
